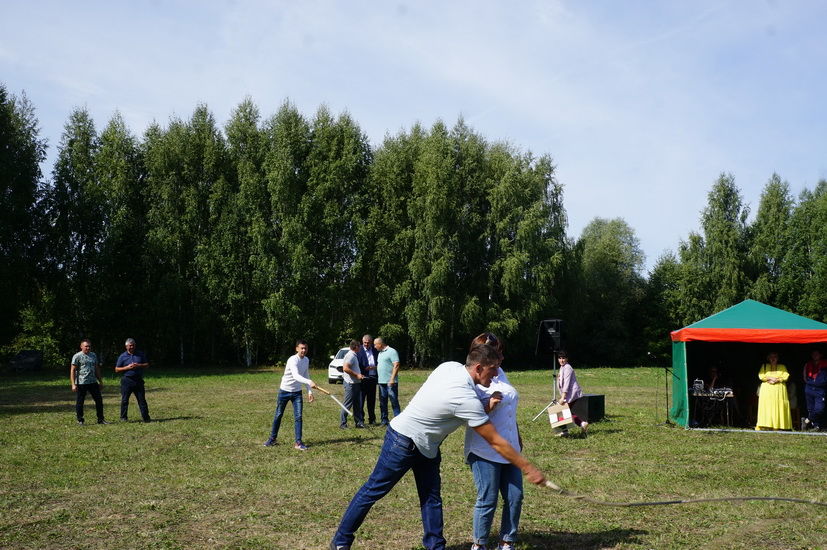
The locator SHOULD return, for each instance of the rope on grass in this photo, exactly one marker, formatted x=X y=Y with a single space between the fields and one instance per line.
x=565 y=493
x=333 y=397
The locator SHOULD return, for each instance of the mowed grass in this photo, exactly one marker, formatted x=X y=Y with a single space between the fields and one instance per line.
x=198 y=477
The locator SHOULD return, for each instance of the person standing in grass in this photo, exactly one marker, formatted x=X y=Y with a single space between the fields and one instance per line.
x=368 y=355
x=773 y=401
x=132 y=364
x=388 y=369
x=815 y=389
x=570 y=390
x=85 y=377
x=296 y=373
x=493 y=474
x=446 y=401
x=352 y=381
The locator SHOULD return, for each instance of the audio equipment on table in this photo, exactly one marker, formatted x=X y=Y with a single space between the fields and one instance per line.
x=715 y=393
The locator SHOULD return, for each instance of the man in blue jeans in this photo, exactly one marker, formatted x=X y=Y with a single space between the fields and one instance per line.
x=445 y=402
x=295 y=375
x=132 y=364
x=388 y=376
x=815 y=390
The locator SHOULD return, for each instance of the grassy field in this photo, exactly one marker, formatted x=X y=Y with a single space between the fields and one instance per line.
x=198 y=476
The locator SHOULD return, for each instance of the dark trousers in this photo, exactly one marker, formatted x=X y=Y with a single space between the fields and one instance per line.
x=369 y=398
x=95 y=390
x=815 y=397
x=128 y=387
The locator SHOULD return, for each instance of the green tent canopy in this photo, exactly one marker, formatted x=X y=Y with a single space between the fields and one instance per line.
x=747 y=322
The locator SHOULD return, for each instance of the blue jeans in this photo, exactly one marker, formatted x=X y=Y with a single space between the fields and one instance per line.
x=281 y=404
x=353 y=402
x=385 y=391
x=492 y=478
x=398 y=455
x=815 y=397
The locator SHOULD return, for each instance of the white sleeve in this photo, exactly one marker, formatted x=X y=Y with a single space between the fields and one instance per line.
x=293 y=366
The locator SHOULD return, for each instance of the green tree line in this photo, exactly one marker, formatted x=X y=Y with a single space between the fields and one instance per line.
x=222 y=245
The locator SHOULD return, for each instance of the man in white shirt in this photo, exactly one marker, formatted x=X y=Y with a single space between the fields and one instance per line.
x=295 y=374
x=446 y=401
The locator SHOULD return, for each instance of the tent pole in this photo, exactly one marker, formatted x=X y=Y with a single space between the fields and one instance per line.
x=666 y=372
x=554 y=374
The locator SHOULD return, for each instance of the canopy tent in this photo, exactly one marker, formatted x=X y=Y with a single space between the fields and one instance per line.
x=721 y=339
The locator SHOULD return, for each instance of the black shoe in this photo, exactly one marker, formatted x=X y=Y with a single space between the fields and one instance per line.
x=270 y=442
x=374 y=423
x=334 y=547
x=342 y=426
x=102 y=422
x=147 y=420
x=124 y=419
x=80 y=422
x=360 y=426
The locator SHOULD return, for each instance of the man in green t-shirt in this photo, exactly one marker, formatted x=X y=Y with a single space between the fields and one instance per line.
x=85 y=376
x=387 y=367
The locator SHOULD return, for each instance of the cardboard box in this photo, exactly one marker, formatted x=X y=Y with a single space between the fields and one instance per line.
x=559 y=415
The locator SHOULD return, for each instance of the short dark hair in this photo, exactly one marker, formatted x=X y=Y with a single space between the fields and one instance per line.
x=300 y=342
x=354 y=345
x=86 y=340
x=483 y=354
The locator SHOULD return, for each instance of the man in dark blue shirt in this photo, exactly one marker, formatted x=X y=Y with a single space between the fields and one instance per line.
x=367 y=356
x=132 y=363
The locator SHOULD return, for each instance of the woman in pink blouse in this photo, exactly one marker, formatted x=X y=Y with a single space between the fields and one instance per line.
x=569 y=390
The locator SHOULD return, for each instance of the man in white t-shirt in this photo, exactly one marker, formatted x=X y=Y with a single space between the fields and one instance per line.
x=352 y=381
x=295 y=375
x=446 y=401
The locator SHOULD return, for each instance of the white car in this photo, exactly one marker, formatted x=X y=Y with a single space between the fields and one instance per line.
x=334 y=369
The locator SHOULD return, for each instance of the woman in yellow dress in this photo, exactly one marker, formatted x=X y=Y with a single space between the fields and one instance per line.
x=773 y=402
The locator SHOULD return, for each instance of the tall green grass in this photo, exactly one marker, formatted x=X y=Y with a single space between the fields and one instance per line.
x=198 y=477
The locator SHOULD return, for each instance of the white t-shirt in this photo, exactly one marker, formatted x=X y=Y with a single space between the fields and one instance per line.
x=352 y=361
x=503 y=417
x=296 y=374
x=446 y=401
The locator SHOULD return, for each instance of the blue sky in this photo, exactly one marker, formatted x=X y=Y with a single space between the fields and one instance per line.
x=641 y=104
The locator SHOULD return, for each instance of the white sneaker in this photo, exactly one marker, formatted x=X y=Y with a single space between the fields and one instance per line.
x=584 y=426
x=505 y=546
